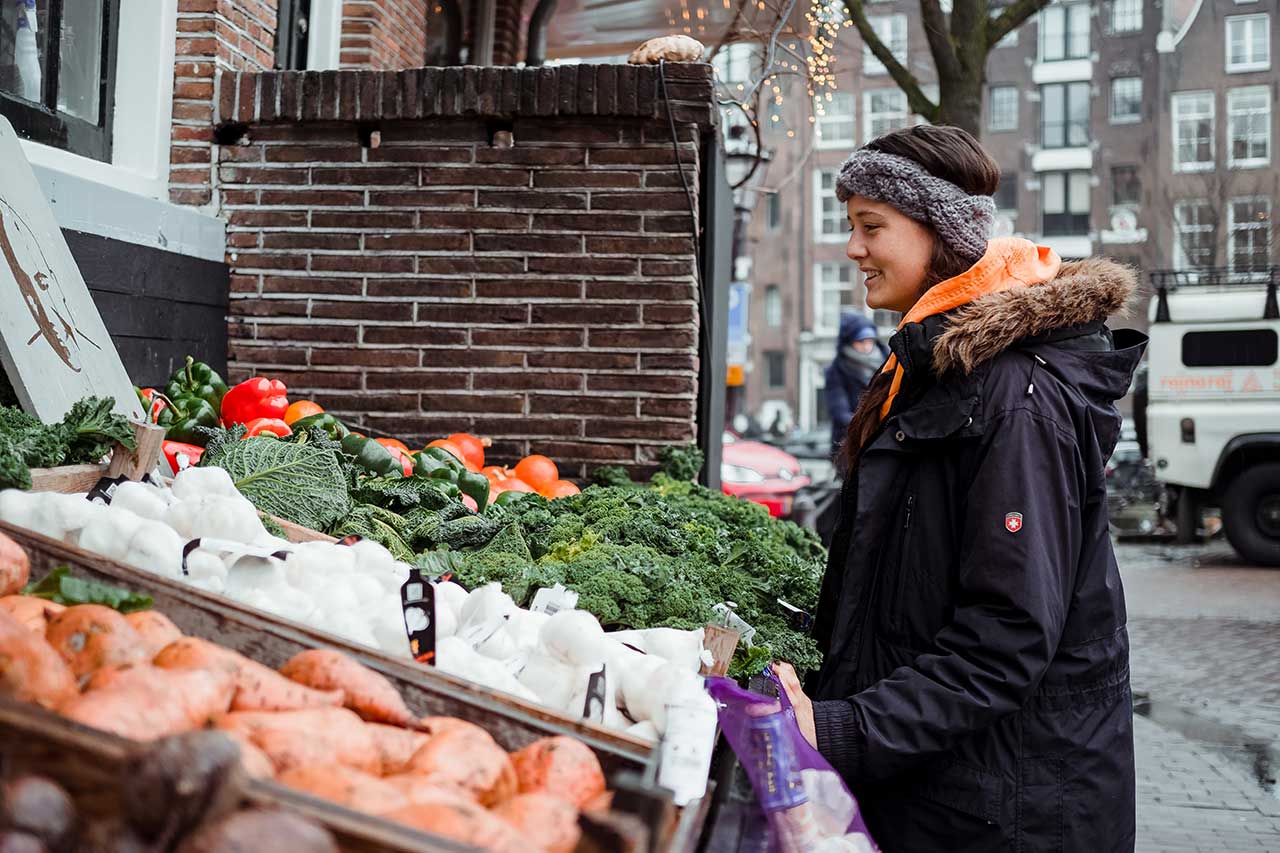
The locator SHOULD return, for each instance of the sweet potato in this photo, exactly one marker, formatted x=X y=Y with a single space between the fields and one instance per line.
x=258 y=688
x=466 y=756
x=33 y=612
x=15 y=568
x=418 y=788
x=367 y=693
x=30 y=669
x=155 y=629
x=312 y=736
x=465 y=822
x=143 y=703
x=563 y=766
x=346 y=787
x=90 y=636
x=396 y=746
x=546 y=822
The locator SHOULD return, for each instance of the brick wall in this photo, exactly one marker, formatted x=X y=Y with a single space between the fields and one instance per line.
x=515 y=257
x=384 y=34
x=213 y=36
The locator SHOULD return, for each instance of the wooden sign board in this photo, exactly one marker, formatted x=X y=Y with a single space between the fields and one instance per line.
x=54 y=347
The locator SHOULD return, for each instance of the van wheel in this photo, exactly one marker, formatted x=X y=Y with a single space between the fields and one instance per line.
x=1251 y=514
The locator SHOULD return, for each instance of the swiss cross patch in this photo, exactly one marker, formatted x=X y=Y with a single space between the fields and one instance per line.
x=1013 y=522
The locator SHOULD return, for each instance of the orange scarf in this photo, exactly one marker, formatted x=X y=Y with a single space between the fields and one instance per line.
x=1008 y=263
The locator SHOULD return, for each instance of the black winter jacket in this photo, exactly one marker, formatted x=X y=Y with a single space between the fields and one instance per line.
x=975 y=690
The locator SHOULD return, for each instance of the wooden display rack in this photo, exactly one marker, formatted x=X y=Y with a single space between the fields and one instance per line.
x=73 y=479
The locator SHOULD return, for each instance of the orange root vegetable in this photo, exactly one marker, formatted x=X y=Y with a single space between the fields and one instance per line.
x=33 y=612
x=155 y=629
x=546 y=822
x=142 y=702
x=396 y=746
x=418 y=788
x=30 y=669
x=15 y=568
x=312 y=736
x=465 y=822
x=346 y=787
x=466 y=756
x=258 y=688
x=601 y=802
x=367 y=693
x=562 y=766
x=90 y=636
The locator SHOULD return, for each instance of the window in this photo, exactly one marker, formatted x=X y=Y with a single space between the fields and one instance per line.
x=1065 y=203
x=1126 y=16
x=1011 y=38
x=1249 y=126
x=57 y=73
x=835 y=124
x=1126 y=100
x=1249 y=227
x=1002 y=108
x=775 y=369
x=832 y=215
x=1192 y=131
x=892 y=30
x=773 y=306
x=1064 y=115
x=1126 y=186
x=1248 y=43
x=1237 y=348
x=773 y=211
x=834 y=295
x=1064 y=32
x=292 y=34
x=1006 y=196
x=1195 y=226
x=735 y=62
x=883 y=110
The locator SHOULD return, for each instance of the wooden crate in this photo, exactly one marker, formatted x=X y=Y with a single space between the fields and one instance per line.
x=72 y=479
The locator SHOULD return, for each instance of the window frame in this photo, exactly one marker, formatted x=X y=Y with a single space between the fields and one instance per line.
x=1128 y=118
x=1137 y=180
x=1175 y=114
x=1181 y=260
x=1128 y=17
x=770 y=356
x=1240 y=92
x=821 y=140
x=773 y=306
x=1007 y=179
x=773 y=211
x=1266 y=227
x=1067 y=122
x=821 y=286
x=1067 y=11
x=1070 y=221
x=873 y=67
x=869 y=115
x=821 y=196
x=1003 y=88
x=1251 y=65
x=292 y=51
x=43 y=123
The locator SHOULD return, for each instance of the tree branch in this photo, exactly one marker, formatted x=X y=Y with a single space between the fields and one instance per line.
x=940 y=44
x=906 y=81
x=1013 y=16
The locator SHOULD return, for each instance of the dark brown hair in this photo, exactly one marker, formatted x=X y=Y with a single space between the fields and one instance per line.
x=953 y=155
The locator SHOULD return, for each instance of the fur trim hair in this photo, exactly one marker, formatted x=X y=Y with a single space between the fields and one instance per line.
x=1083 y=292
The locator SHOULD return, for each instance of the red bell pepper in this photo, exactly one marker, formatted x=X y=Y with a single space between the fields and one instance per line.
x=181 y=456
x=255 y=398
x=405 y=460
x=275 y=426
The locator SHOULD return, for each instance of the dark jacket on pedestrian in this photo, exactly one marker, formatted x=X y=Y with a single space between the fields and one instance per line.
x=850 y=372
x=975 y=690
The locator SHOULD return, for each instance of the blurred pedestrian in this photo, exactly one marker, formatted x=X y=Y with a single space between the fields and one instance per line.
x=859 y=356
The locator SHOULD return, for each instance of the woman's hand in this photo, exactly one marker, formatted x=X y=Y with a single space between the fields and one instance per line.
x=803 y=707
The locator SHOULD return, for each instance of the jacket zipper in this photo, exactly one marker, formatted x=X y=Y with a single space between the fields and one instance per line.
x=896 y=616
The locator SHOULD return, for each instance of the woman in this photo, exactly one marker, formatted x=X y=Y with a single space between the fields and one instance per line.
x=859 y=355
x=975 y=688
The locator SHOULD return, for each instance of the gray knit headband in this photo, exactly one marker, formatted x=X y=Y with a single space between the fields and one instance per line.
x=962 y=221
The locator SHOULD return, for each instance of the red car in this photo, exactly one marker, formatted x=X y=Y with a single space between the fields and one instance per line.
x=760 y=473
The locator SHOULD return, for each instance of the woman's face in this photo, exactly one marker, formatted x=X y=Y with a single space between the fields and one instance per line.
x=892 y=250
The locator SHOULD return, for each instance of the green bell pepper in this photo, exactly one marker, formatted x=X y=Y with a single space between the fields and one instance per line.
x=336 y=429
x=190 y=412
x=444 y=456
x=475 y=485
x=510 y=497
x=197 y=379
x=371 y=456
x=427 y=466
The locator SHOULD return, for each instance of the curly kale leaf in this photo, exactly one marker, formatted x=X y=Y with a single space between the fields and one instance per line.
x=682 y=463
x=14 y=471
x=91 y=429
x=402 y=494
x=380 y=525
x=612 y=475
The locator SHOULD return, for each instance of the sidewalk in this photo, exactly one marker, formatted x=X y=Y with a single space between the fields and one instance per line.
x=1192 y=799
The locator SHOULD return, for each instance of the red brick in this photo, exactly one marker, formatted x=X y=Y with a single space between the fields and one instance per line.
x=244 y=284
x=577 y=404
x=267 y=218
x=642 y=201
x=341 y=134
x=532 y=156
x=665 y=268
x=494 y=403
x=435 y=154
x=192 y=134
x=491 y=313
x=582 y=360
x=668 y=361
x=518 y=337
x=586 y=314
x=541 y=243
x=190 y=154
x=257 y=261
x=660 y=155
x=559 y=130
x=670 y=314
x=662 y=407
x=521 y=381
x=469 y=358
x=675 y=223
x=532 y=200
x=528 y=288
x=418 y=380
x=595 y=452
x=525 y=427
x=234 y=197
x=242 y=239
x=421 y=242
x=192 y=197
x=422 y=198
x=188 y=177
x=362 y=404
x=363 y=310
x=642 y=339
x=194 y=90
x=242 y=175
x=240 y=154
x=469 y=265
x=409 y=287
x=361 y=219
x=586 y=222
x=239 y=351
x=417 y=335
x=361 y=263
x=308 y=284
x=366 y=176
x=299 y=379
x=196 y=46
x=309 y=240
x=474 y=177
x=583 y=266
x=474 y=220
x=422 y=428
x=635 y=290
x=648 y=245
x=311 y=198
x=309 y=332
x=365 y=357
x=269 y=308
x=643 y=429
x=640 y=383
x=587 y=179
x=312 y=153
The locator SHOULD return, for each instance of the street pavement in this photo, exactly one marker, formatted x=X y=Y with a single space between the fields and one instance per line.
x=1205 y=635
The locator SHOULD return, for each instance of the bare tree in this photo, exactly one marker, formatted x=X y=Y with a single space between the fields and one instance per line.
x=960 y=43
x=1207 y=242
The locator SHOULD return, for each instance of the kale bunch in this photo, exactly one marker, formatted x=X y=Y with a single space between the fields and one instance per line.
x=85 y=435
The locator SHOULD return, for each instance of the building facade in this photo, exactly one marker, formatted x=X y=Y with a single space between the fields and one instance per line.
x=1131 y=129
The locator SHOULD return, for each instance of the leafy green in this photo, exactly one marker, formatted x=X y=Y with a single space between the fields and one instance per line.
x=612 y=475
x=85 y=435
x=61 y=588
x=297 y=481
x=15 y=473
x=273 y=527
x=380 y=525
x=403 y=493
x=91 y=429
x=681 y=463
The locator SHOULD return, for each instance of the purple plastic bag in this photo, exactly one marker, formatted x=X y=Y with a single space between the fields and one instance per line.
x=808 y=806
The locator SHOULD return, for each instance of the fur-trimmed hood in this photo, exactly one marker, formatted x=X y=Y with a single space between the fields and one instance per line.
x=1083 y=292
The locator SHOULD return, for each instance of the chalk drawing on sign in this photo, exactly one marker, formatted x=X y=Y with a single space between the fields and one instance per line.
x=41 y=290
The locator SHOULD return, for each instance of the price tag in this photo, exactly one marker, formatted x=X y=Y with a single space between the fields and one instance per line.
x=593 y=707
x=418 y=600
x=685 y=751
x=551 y=600
x=105 y=489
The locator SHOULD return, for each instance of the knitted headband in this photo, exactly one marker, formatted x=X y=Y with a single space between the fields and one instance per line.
x=962 y=221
